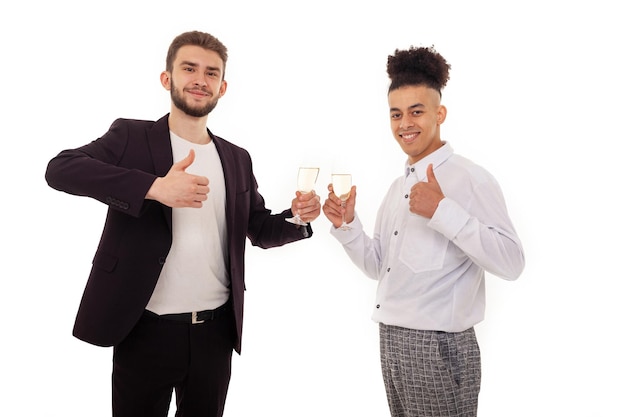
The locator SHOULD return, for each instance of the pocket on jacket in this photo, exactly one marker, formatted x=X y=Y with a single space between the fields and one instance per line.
x=104 y=261
x=423 y=249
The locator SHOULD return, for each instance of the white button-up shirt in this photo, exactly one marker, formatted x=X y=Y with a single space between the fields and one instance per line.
x=431 y=272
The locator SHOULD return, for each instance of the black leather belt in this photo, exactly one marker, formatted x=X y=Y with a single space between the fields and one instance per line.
x=195 y=317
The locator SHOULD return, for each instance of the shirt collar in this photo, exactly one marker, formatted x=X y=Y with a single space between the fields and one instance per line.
x=436 y=158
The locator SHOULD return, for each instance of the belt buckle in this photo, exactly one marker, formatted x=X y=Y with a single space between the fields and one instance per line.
x=194 y=318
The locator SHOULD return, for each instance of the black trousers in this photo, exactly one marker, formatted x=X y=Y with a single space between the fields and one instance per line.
x=161 y=355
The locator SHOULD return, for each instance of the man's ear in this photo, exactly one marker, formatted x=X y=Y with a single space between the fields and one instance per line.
x=166 y=80
x=223 y=88
x=441 y=114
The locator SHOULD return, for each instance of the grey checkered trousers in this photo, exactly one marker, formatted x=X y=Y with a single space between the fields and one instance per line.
x=430 y=373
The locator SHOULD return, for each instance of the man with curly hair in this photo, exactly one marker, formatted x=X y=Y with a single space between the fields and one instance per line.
x=166 y=289
x=442 y=224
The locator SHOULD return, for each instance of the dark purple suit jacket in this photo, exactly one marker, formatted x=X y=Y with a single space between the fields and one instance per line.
x=118 y=169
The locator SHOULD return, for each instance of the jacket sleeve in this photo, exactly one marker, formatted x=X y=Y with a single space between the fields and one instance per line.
x=102 y=169
x=268 y=230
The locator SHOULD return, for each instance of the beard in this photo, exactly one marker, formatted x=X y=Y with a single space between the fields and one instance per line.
x=182 y=105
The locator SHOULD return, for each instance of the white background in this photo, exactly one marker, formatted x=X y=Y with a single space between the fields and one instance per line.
x=536 y=96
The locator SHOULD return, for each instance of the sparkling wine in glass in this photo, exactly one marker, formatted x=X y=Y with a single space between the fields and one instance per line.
x=342 y=183
x=306 y=181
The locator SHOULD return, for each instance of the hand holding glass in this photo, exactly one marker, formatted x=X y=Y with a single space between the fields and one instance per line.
x=342 y=184
x=306 y=181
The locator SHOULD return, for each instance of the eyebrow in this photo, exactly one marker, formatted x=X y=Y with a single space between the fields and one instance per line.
x=193 y=64
x=414 y=106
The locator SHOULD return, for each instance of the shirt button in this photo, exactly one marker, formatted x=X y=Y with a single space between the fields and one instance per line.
x=412 y=169
x=377 y=305
x=388 y=269
x=406 y=196
x=395 y=233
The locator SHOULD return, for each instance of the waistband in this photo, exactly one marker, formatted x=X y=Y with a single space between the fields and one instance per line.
x=194 y=317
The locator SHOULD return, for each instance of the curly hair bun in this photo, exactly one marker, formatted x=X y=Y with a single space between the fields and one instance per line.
x=418 y=66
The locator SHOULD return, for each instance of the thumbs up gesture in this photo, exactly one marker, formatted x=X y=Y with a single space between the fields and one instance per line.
x=426 y=195
x=178 y=188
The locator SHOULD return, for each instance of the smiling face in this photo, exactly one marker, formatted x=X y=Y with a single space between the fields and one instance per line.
x=416 y=114
x=196 y=81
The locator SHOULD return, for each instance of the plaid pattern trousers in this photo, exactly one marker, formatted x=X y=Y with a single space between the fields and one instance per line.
x=430 y=373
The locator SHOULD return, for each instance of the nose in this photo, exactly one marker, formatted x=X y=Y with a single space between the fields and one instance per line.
x=405 y=122
x=201 y=81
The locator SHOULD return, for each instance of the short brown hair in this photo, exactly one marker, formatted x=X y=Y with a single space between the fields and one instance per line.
x=195 y=38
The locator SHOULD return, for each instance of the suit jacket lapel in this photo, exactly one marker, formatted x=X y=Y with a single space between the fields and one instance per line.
x=229 y=167
x=162 y=157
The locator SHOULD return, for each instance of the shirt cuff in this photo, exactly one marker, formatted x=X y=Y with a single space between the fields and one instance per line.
x=449 y=218
x=346 y=236
x=307 y=230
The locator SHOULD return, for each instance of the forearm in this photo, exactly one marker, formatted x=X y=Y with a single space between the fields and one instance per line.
x=493 y=246
x=362 y=250
x=267 y=230
x=76 y=172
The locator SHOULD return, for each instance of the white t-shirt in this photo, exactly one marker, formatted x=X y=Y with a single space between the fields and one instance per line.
x=194 y=277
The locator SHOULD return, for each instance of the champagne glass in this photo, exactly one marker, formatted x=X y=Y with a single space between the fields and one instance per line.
x=342 y=184
x=306 y=181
